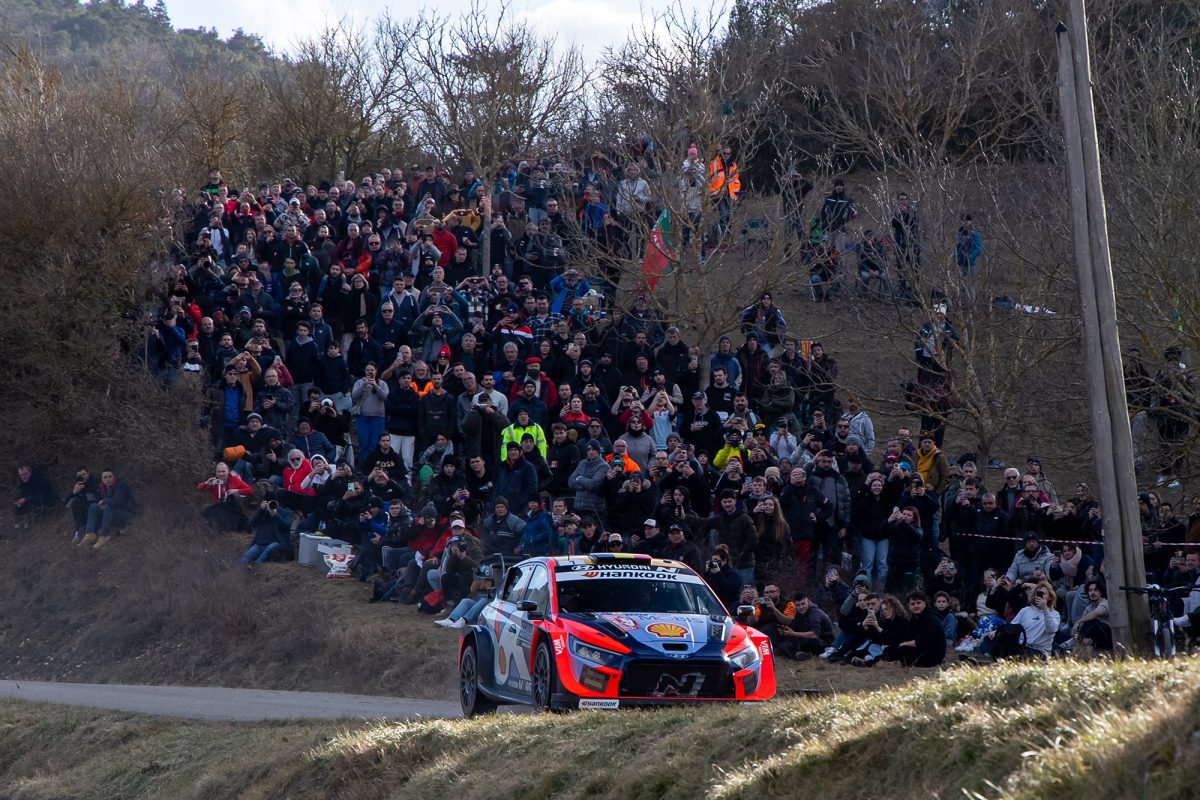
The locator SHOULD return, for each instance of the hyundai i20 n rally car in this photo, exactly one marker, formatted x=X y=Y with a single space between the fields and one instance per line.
x=606 y=631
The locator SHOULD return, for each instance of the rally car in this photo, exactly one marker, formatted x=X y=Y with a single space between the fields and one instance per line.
x=607 y=631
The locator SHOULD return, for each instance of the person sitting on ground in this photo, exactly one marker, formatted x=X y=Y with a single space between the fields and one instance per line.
x=113 y=510
x=885 y=630
x=1033 y=557
x=226 y=491
x=85 y=492
x=809 y=632
x=35 y=496
x=271 y=526
x=1093 y=628
x=924 y=644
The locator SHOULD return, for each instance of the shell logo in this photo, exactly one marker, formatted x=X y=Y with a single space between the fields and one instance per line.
x=667 y=630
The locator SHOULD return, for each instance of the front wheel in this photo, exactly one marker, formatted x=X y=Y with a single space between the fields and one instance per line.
x=1164 y=639
x=473 y=701
x=542 y=689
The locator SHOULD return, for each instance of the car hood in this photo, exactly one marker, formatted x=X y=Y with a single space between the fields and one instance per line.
x=674 y=635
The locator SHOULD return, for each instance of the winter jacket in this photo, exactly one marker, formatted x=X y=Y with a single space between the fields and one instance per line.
x=502 y=535
x=268 y=528
x=1023 y=564
x=905 y=552
x=516 y=483
x=219 y=491
x=829 y=483
x=588 y=481
x=738 y=533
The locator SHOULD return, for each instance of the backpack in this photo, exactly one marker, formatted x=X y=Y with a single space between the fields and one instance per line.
x=1009 y=641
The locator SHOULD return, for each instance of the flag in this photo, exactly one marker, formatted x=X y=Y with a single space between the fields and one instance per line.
x=658 y=251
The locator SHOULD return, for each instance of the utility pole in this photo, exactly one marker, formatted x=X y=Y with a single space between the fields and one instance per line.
x=1113 y=442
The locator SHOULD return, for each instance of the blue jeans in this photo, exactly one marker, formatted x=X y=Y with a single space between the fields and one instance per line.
x=468 y=609
x=99 y=520
x=369 y=429
x=874 y=557
x=258 y=553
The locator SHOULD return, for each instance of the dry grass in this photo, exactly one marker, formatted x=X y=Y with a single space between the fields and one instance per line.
x=167 y=604
x=1064 y=730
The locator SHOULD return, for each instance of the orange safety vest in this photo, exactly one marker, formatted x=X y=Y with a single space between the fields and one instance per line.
x=721 y=180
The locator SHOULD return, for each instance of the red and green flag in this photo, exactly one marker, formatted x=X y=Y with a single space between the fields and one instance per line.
x=658 y=251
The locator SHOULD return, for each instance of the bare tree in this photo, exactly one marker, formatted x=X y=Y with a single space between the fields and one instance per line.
x=87 y=152
x=483 y=88
x=340 y=104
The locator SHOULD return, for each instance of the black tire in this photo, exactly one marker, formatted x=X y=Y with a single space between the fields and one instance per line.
x=1164 y=640
x=543 y=680
x=473 y=701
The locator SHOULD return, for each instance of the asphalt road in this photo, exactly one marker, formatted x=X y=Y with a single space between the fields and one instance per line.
x=234 y=705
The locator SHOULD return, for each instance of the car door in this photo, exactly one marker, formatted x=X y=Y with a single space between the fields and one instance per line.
x=498 y=615
x=536 y=590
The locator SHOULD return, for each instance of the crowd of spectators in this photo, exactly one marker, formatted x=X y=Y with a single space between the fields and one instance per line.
x=368 y=378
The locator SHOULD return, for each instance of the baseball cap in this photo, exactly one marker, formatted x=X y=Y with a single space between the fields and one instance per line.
x=650 y=522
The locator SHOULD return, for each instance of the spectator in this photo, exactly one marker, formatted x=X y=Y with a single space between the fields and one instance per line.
x=1093 y=628
x=903 y=530
x=721 y=577
x=809 y=632
x=1032 y=560
x=226 y=493
x=733 y=528
x=84 y=492
x=925 y=641
x=35 y=496
x=112 y=511
x=271 y=528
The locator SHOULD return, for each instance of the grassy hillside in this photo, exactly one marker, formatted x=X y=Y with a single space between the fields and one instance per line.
x=169 y=605
x=1060 y=731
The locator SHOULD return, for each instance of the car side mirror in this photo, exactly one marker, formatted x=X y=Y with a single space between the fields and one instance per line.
x=745 y=611
x=527 y=605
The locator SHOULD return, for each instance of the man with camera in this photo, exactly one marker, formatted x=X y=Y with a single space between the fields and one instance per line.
x=271 y=528
x=809 y=632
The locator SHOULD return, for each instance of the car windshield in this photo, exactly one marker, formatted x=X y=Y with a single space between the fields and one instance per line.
x=636 y=596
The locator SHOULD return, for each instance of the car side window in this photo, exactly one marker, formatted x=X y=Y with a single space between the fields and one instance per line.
x=513 y=584
x=538 y=588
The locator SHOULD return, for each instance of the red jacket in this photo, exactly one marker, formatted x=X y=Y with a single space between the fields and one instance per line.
x=219 y=491
x=293 y=478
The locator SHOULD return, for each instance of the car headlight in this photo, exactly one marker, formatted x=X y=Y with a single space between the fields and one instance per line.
x=596 y=655
x=746 y=657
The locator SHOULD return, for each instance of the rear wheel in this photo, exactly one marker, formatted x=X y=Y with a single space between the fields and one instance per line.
x=473 y=701
x=542 y=689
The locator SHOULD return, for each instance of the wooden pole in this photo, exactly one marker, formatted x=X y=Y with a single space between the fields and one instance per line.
x=1113 y=442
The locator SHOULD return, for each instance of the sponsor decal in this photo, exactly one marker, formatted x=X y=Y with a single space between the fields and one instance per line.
x=622 y=622
x=559 y=647
x=764 y=648
x=503 y=665
x=597 y=704
x=616 y=567
x=667 y=630
x=629 y=575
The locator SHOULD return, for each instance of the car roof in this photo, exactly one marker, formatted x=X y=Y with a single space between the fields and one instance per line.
x=613 y=558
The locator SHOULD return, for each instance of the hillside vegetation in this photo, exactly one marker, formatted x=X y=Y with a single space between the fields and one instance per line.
x=1064 y=730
